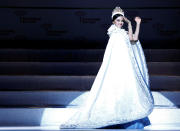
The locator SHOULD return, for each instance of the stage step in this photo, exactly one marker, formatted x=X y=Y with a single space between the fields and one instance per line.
x=56 y=128
x=55 y=116
x=77 y=68
x=164 y=127
x=158 y=116
x=85 y=55
x=70 y=98
x=35 y=82
x=171 y=127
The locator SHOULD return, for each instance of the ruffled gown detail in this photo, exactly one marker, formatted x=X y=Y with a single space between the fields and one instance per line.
x=121 y=90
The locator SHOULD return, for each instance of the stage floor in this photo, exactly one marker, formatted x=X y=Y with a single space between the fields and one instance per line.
x=174 y=127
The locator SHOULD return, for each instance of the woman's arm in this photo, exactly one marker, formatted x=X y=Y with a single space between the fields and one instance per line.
x=130 y=31
x=136 y=34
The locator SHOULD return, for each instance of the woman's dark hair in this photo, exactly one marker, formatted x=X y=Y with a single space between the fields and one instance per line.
x=116 y=16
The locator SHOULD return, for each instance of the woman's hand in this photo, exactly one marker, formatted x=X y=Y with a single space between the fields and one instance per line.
x=126 y=20
x=137 y=19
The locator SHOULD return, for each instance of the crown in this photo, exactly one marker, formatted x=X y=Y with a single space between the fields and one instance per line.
x=117 y=10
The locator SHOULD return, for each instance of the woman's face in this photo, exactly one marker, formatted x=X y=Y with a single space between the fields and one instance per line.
x=119 y=21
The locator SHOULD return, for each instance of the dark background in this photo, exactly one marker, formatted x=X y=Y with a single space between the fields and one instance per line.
x=84 y=24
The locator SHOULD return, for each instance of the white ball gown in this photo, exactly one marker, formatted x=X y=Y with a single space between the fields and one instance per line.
x=120 y=92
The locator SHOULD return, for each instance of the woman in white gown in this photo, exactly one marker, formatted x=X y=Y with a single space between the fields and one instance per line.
x=120 y=92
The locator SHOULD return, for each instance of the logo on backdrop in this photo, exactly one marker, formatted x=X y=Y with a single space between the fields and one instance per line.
x=86 y=20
